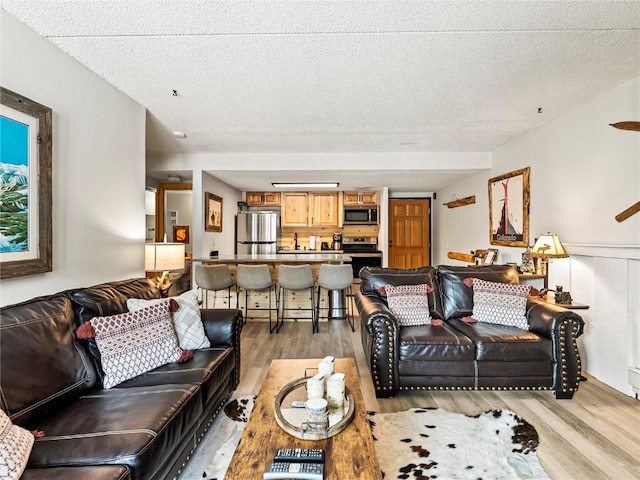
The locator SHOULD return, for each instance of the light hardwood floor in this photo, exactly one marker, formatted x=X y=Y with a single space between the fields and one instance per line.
x=596 y=435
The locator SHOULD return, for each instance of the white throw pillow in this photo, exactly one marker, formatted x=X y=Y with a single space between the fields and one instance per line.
x=409 y=303
x=186 y=320
x=501 y=303
x=15 y=447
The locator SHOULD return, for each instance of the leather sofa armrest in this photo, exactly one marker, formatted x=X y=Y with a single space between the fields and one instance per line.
x=545 y=318
x=379 y=332
x=563 y=327
x=223 y=328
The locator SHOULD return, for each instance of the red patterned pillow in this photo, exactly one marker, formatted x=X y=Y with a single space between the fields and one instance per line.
x=133 y=343
x=409 y=303
x=501 y=303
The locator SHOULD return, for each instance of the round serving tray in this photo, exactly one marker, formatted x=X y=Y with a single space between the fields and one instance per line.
x=297 y=430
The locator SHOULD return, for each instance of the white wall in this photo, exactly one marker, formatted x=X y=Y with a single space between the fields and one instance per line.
x=223 y=241
x=583 y=173
x=98 y=166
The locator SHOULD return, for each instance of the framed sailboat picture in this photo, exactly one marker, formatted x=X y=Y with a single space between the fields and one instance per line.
x=509 y=209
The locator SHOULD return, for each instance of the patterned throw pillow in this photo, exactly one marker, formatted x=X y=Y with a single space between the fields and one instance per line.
x=15 y=447
x=501 y=303
x=186 y=319
x=133 y=343
x=409 y=303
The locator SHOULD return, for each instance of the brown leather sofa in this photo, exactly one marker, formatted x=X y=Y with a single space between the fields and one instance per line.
x=465 y=356
x=144 y=428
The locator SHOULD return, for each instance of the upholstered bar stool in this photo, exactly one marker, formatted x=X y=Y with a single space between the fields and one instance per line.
x=214 y=278
x=296 y=278
x=256 y=278
x=336 y=278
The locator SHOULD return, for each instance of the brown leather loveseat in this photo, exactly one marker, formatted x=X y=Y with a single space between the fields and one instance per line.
x=142 y=429
x=459 y=354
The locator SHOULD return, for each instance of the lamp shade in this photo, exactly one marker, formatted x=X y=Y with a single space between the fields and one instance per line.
x=549 y=246
x=160 y=257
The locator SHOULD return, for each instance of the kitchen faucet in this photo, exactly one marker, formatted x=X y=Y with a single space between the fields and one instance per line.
x=295 y=241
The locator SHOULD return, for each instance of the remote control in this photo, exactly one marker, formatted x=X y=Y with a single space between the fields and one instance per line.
x=299 y=455
x=301 y=471
x=298 y=404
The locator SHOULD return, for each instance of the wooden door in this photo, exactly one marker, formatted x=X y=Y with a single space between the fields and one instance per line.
x=409 y=233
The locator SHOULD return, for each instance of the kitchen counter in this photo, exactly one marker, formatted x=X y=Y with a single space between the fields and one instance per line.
x=307 y=252
x=291 y=256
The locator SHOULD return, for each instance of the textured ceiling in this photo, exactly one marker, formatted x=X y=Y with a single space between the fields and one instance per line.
x=345 y=76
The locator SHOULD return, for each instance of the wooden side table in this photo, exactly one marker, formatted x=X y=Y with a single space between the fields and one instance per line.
x=571 y=306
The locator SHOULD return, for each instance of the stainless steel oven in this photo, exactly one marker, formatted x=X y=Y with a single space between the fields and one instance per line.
x=363 y=252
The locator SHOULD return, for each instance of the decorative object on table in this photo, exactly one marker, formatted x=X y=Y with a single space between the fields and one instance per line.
x=562 y=298
x=461 y=202
x=509 y=209
x=547 y=246
x=528 y=265
x=495 y=444
x=181 y=233
x=27 y=207
x=490 y=256
x=163 y=257
x=315 y=386
x=295 y=424
x=335 y=390
x=317 y=414
x=212 y=212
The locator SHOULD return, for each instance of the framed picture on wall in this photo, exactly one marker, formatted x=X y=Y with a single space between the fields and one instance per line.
x=509 y=209
x=25 y=223
x=212 y=212
x=181 y=233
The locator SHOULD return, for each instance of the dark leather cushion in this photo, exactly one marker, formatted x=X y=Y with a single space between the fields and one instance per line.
x=503 y=343
x=137 y=427
x=102 y=472
x=41 y=362
x=108 y=299
x=209 y=368
x=457 y=298
x=429 y=343
x=372 y=278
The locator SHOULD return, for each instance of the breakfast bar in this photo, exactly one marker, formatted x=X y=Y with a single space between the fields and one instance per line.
x=287 y=257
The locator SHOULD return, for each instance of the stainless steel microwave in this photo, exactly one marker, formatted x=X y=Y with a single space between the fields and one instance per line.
x=360 y=215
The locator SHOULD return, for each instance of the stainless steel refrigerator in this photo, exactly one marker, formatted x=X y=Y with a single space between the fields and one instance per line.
x=258 y=232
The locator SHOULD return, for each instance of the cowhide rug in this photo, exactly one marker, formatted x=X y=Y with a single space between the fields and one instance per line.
x=422 y=444
x=228 y=428
x=417 y=444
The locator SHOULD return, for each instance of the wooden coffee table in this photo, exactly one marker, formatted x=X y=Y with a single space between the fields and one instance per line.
x=348 y=455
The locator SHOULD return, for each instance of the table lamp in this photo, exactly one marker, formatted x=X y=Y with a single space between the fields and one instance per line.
x=548 y=246
x=163 y=257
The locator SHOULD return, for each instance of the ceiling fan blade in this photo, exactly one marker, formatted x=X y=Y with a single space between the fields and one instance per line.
x=635 y=126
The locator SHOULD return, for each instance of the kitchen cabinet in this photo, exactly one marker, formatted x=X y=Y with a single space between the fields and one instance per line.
x=295 y=209
x=310 y=209
x=263 y=199
x=360 y=198
x=323 y=209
